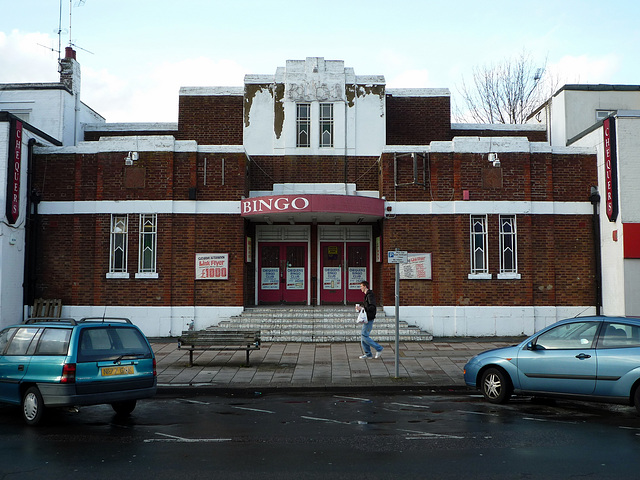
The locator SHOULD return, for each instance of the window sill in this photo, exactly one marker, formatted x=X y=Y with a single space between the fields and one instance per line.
x=479 y=276
x=146 y=275
x=118 y=275
x=509 y=276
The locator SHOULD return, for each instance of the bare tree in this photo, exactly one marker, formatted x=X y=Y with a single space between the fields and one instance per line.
x=507 y=92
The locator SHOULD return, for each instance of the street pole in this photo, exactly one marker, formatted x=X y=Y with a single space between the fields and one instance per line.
x=397 y=320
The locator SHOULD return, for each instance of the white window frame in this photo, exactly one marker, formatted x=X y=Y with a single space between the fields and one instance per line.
x=148 y=241
x=602 y=114
x=326 y=125
x=478 y=243
x=508 y=247
x=303 y=125
x=118 y=241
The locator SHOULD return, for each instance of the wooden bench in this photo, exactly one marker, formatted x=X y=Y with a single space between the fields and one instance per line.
x=248 y=340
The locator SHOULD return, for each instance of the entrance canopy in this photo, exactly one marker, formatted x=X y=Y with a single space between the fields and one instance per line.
x=313 y=208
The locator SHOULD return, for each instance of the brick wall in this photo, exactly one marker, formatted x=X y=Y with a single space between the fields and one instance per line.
x=265 y=171
x=418 y=120
x=521 y=177
x=555 y=252
x=211 y=119
x=73 y=252
x=555 y=260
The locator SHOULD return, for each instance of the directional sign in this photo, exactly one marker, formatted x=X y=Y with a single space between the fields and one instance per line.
x=397 y=256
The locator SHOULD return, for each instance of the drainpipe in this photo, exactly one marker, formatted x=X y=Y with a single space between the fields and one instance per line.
x=31 y=231
x=594 y=198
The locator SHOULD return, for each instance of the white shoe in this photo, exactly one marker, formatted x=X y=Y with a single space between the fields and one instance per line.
x=365 y=356
x=378 y=354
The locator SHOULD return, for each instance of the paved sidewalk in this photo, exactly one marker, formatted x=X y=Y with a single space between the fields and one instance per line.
x=435 y=365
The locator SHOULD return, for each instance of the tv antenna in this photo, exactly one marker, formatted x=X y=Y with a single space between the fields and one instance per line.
x=78 y=3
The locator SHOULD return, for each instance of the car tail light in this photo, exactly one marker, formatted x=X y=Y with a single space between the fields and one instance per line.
x=155 y=372
x=68 y=373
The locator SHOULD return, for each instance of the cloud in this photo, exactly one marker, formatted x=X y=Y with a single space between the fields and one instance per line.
x=28 y=57
x=151 y=94
x=585 y=69
x=410 y=79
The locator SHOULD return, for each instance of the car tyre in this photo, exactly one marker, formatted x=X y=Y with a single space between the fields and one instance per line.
x=636 y=398
x=124 y=408
x=32 y=406
x=495 y=385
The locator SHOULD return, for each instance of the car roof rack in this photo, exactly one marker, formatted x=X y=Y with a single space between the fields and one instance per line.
x=105 y=319
x=32 y=320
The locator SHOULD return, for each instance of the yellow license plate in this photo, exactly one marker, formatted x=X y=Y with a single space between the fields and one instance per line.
x=120 y=370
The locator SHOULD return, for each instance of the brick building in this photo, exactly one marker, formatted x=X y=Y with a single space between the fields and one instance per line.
x=294 y=188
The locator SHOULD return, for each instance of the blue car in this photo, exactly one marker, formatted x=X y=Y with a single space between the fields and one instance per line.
x=594 y=358
x=49 y=362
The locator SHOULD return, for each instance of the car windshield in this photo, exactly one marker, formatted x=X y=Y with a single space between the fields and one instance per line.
x=111 y=343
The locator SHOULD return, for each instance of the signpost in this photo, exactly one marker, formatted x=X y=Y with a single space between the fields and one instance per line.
x=397 y=257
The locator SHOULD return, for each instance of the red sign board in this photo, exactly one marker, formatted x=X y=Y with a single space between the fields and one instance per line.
x=610 y=169
x=312 y=203
x=13 y=173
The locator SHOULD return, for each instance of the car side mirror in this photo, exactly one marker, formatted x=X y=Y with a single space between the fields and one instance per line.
x=531 y=346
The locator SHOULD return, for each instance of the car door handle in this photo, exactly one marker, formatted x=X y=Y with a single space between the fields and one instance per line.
x=582 y=356
x=21 y=368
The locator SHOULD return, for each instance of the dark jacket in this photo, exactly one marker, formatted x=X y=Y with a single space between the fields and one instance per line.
x=370 y=305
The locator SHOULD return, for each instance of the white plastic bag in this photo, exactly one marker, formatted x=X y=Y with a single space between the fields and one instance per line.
x=362 y=317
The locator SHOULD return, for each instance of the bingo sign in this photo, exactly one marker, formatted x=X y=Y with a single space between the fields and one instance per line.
x=212 y=266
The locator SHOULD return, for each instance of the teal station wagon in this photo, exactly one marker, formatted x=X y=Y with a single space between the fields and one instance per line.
x=49 y=362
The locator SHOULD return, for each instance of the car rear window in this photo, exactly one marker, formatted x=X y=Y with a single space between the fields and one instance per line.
x=110 y=343
x=54 y=341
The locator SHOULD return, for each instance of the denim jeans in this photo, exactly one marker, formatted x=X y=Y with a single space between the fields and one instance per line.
x=367 y=341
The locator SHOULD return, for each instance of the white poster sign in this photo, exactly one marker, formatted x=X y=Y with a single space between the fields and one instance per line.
x=418 y=267
x=295 y=278
x=332 y=278
x=270 y=278
x=357 y=275
x=212 y=266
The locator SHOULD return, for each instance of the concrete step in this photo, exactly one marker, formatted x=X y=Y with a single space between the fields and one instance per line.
x=318 y=324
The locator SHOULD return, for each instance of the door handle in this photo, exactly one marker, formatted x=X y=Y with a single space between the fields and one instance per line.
x=582 y=356
x=21 y=368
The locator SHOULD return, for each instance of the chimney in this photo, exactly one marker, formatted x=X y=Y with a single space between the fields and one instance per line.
x=70 y=71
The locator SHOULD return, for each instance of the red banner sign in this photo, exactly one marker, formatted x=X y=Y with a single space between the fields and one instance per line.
x=13 y=173
x=313 y=203
x=610 y=169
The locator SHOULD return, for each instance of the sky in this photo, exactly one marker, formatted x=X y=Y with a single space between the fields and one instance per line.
x=136 y=54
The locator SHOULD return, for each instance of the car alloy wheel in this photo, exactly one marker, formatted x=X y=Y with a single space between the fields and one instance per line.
x=495 y=386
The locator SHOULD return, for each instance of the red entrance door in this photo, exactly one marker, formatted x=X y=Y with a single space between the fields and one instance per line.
x=282 y=273
x=342 y=267
x=357 y=270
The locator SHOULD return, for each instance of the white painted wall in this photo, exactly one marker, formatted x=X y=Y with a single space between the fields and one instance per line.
x=613 y=276
x=51 y=110
x=12 y=238
x=159 y=321
x=628 y=135
x=359 y=128
x=458 y=321
x=574 y=111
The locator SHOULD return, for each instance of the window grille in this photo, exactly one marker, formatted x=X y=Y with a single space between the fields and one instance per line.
x=479 y=263
x=326 y=125
x=508 y=244
x=148 y=243
x=118 y=246
x=303 y=124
